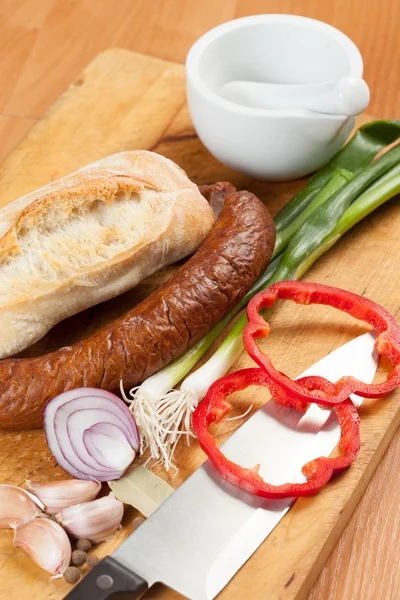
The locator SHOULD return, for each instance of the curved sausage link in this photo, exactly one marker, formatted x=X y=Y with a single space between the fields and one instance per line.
x=158 y=329
x=215 y=194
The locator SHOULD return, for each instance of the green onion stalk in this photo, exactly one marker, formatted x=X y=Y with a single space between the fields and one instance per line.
x=344 y=197
x=337 y=181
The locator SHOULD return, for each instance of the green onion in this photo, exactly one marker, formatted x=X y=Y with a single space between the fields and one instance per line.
x=160 y=410
x=293 y=265
x=326 y=215
x=355 y=155
x=322 y=221
x=337 y=181
x=384 y=189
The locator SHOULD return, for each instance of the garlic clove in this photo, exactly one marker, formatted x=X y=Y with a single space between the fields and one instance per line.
x=57 y=495
x=46 y=543
x=95 y=521
x=16 y=506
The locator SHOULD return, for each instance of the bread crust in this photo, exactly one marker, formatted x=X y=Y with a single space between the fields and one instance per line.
x=91 y=236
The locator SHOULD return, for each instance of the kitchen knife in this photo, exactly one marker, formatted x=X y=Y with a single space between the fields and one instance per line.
x=205 y=531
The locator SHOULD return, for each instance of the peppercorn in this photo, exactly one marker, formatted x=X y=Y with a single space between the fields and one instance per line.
x=78 y=558
x=92 y=562
x=85 y=545
x=72 y=574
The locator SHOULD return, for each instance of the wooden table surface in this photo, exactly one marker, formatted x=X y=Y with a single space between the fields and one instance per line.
x=44 y=44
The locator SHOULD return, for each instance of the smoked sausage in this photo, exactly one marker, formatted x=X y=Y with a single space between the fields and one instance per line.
x=162 y=327
x=215 y=194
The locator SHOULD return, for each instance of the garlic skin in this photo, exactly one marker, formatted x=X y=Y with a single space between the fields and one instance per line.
x=57 y=495
x=16 y=506
x=95 y=521
x=46 y=543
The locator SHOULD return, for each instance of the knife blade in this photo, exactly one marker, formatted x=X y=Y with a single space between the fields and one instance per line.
x=206 y=530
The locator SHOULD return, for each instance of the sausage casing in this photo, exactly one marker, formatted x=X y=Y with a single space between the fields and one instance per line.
x=157 y=330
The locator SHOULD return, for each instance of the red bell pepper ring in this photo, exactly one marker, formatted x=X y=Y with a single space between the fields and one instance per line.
x=387 y=342
x=213 y=409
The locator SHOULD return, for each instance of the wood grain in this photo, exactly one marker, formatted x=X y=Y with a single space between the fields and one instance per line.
x=44 y=44
x=362 y=563
x=111 y=107
x=13 y=129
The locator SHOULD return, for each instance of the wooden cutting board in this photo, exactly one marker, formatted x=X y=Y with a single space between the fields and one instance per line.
x=124 y=101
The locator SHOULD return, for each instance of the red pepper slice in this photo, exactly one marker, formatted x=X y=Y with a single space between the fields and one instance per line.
x=387 y=342
x=318 y=471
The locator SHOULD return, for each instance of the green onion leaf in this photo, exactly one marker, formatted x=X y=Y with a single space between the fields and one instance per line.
x=355 y=155
x=339 y=179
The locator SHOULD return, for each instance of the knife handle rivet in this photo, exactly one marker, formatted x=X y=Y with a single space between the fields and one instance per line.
x=104 y=582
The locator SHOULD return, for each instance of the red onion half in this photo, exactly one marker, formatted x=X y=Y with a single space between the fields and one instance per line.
x=91 y=433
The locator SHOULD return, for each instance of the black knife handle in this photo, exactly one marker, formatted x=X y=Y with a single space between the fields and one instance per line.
x=107 y=578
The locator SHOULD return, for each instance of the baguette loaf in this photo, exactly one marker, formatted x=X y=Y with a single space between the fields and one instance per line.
x=90 y=236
